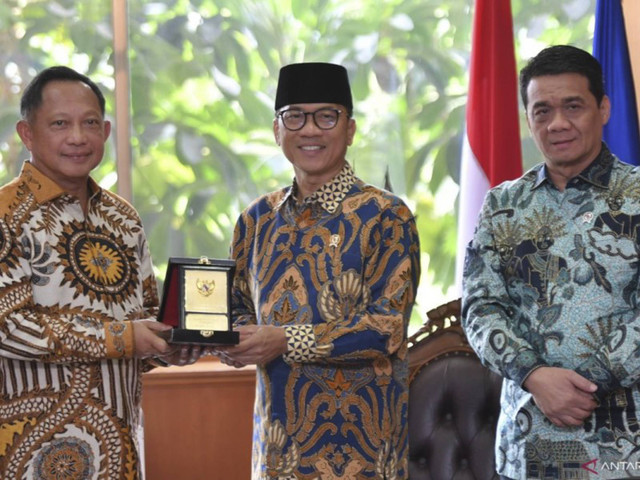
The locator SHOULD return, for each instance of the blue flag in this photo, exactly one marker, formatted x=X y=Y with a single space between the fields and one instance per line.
x=622 y=133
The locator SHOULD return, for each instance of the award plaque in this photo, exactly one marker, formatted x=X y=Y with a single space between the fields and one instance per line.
x=196 y=302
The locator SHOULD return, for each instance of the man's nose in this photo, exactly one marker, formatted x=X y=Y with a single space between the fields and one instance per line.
x=77 y=134
x=558 y=120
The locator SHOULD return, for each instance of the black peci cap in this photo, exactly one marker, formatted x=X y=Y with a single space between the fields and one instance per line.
x=313 y=83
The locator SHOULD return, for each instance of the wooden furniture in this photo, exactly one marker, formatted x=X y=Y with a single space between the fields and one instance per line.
x=454 y=402
x=198 y=421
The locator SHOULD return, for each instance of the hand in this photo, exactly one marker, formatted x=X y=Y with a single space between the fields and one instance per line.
x=146 y=342
x=565 y=397
x=259 y=344
x=220 y=352
x=228 y=360
x=184 y=355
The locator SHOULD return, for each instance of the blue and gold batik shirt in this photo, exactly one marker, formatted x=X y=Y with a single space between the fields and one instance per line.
x=551 y=279
x=339 y=272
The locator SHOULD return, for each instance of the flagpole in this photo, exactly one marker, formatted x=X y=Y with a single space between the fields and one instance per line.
x=631 y=10
x=122 y=99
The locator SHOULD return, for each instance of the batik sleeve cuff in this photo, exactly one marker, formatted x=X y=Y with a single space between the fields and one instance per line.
x=119 y=339
x=302 y=346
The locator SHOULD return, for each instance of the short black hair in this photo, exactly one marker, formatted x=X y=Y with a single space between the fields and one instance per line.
x=32 y=95
x=559 y=59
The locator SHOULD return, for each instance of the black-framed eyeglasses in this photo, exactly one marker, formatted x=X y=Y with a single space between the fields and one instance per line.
x=295 y=119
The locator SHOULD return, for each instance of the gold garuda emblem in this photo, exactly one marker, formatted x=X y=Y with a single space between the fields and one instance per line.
x=205 y=287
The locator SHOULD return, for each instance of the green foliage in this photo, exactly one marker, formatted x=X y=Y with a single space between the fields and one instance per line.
x=203 y=79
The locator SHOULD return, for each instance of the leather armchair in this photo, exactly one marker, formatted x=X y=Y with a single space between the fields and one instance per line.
x=454 y=403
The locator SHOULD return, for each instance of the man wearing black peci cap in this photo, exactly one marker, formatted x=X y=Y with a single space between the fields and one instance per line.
x=327 y=271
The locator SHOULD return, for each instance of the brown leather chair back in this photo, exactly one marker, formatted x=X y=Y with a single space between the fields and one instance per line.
x=454 y=403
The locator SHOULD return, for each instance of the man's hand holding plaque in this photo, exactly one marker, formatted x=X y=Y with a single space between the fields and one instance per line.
x=196 y=302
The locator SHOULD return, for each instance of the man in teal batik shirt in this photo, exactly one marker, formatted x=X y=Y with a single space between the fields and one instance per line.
x=551 y=286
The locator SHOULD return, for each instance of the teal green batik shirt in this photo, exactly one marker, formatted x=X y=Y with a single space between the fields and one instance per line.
x=551 y=279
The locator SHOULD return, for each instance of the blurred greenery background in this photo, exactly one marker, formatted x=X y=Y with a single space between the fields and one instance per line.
x=203 y=79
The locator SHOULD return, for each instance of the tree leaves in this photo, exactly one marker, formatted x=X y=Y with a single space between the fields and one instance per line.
x=203 y=80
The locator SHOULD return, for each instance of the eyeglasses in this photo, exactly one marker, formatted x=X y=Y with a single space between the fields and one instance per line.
x=295 y=119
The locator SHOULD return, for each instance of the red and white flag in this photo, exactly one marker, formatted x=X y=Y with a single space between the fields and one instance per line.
x=491 y=150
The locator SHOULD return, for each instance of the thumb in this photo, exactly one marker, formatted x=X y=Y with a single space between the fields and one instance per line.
x=583 y=384
x=161 y=346
x=157 y=326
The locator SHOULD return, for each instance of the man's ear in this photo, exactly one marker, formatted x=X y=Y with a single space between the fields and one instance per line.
x=605 y=109
x=107 y=129
x=276 y=131
x=351 y=131
x=24 y=131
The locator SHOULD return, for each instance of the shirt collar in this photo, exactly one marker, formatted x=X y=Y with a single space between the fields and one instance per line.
x=598 y=172
x=44 y=189
x=330 y=195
